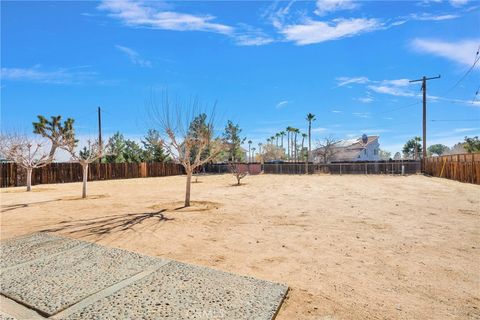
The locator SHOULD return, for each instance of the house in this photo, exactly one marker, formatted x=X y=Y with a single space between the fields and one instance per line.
x=365 y=148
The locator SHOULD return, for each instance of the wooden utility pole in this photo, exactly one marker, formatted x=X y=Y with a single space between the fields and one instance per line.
x=100 y=143
x=424 y=89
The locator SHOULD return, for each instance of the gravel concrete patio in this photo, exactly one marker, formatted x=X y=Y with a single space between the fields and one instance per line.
x=48 y=276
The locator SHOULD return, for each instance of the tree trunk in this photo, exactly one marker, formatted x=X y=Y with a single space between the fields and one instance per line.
x=187 y=188
x=29 y=179
x=85 y=178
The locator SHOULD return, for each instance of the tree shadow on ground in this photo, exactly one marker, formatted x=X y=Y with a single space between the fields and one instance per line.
x=23 y=205
x=105 y=225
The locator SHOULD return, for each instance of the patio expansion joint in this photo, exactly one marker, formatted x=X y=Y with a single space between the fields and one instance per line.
x=70 y=250
x=108 y=291
x=18 y=310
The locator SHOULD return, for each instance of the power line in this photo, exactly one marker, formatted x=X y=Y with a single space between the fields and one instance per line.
x=477 y=58
x=455 y=120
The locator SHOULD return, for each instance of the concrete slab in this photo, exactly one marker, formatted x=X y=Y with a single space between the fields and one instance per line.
x=88 y=281
x=51 y=285
x=38 y=245
x=182 y=291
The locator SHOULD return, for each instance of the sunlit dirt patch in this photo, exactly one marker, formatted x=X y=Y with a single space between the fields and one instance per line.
x=195 y=206
x=90 y=197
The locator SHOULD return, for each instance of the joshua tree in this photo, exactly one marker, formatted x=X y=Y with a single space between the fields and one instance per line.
x=58 y=134
x=310 y=119
x=25 y=152
x=179 y=139
x=90 y=153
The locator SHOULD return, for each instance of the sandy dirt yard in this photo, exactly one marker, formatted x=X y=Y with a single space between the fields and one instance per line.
x=349 y=247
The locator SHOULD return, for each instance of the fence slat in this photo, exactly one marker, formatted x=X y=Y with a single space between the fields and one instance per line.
x=461 y=167
x=13 y=176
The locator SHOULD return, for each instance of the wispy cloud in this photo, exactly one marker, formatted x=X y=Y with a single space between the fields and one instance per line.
x=282 y=104
x=432 y=17
x=328 y=6
x=159 y=15
x=74 y=75
x=336 y=111
x=134 y=56
x=139 y=14
x=361 y=114
x=319 y=129
x=311 y=31
x=365 y=99
x=462 y=52
x=458 y=3
x=343 y=81
x=395 y=87
x=465 y=129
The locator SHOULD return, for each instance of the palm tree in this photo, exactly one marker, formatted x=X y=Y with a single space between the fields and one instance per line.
x=304 y=135
x=249 y=154
x=260 y=147
x=277 y=135
x=282 y=134
x=253 y=154
x=310 y=119
x=268 y=141
x=295 y=132
x=289 y=129
x=272 y=139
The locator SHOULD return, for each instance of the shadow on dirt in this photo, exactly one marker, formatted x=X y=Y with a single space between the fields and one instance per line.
x=105 y=225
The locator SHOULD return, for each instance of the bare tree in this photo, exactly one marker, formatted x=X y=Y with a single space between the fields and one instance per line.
x=26 y=152
x=327 y=149
x=239 y=170
x=190 y=145
x=90 y=153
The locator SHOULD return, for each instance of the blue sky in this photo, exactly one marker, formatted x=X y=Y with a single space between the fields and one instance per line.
x=266 y=64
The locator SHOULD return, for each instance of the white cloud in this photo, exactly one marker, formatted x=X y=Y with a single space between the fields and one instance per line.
x=391 y=90
x=134 y=56
x=365 y=99
x=336 y=111
x=138 y=14
x=75 y=75
x=319 y=129
x=432 y=17
x=343 y=81
x=328 y=6
x=458 y=3
x=361 y=114
x=282 y=104
x=465 y=129
x=462 y=52
x=250 y=36
x=311 y=31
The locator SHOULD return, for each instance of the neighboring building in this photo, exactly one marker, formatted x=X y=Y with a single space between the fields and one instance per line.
x=365 y=148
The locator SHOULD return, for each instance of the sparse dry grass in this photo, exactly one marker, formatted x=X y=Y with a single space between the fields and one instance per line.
x=350 y=247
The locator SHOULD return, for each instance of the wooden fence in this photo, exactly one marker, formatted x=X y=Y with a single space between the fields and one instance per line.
x=364 y=167
x=460 y=167
x=378 y=167
x=12 y=175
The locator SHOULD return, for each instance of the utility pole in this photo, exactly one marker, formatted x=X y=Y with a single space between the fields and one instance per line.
x=100 y=143
x=424 y=89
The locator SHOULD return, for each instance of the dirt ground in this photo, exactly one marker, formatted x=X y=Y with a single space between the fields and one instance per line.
x=349 y=247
